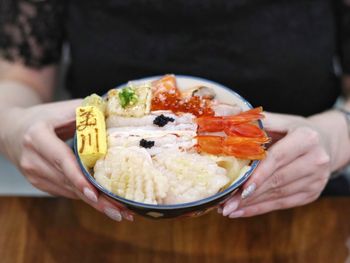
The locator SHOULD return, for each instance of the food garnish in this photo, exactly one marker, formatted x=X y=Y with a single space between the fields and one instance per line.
x=127 y=96
x=162 y=120
x=146 y=144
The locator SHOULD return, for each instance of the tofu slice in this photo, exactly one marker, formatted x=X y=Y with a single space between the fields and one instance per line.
x=138 y=109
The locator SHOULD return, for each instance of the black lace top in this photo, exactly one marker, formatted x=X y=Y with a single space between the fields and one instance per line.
x=31 y=31
x=276 y=53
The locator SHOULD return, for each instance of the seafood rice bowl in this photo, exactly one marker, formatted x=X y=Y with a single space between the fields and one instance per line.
x=168 y=146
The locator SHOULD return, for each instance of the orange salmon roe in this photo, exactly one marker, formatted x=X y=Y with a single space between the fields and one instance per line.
x=194 y=105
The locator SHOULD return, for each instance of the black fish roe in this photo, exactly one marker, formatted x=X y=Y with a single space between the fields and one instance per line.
x=162 y=120
x=146 y=144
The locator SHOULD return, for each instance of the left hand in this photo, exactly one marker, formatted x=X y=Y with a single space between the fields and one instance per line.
x=295 y=171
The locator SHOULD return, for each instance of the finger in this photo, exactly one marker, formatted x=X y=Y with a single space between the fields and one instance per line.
x=64 y=123
x=268 y=206
x=305 y=165
x=283 y=152
x=33 y=165
x=279 y=123
x=114 y=204
x=60 y=156
x=63 y=159
x=231 y=205
x=40 y=167
x=51 y=188
x=108 y=208
x=66 y=110
x=309 y=185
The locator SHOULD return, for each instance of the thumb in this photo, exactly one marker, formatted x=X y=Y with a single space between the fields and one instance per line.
x=63 y=112
x=278 y=125
x=64 y=118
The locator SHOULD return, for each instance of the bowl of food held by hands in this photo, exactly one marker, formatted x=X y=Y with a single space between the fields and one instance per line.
x=166 y=146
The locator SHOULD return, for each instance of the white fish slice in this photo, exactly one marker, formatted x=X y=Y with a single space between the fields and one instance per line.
x=226 y=109
x=162 y=142
x=147 y=132
x=147 y=120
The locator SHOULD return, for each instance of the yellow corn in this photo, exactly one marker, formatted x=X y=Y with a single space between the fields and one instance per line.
x=91 y=134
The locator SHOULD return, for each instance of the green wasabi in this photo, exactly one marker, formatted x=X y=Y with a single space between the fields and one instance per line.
x=127 y=96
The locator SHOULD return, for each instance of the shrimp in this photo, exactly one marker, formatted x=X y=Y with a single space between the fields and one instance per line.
x=244 y=139
x=240 y=147
x=234 y=125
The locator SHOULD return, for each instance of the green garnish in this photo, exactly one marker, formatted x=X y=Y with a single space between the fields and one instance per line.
x=127 y=96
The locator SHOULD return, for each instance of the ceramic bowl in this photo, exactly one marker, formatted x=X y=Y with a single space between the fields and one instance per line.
x=224 y=95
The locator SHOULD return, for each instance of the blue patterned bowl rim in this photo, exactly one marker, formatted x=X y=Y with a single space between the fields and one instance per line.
x=200 y=202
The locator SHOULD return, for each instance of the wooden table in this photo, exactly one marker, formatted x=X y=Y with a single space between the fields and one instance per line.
x=58 y=230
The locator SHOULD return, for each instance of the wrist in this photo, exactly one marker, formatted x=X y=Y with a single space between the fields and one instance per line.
x=9 y=118
x=346 y=114
x=333 y=127
x=16 y=94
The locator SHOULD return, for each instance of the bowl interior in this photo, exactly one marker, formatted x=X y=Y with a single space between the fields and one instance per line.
x=224 y=95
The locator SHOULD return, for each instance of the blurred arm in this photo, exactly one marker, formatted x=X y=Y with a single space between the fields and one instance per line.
x=21 y=86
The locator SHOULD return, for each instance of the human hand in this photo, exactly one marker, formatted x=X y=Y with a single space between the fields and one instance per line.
x=34 y=141
x=295 y=171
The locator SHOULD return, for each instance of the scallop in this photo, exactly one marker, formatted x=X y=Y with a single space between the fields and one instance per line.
x=200 y=91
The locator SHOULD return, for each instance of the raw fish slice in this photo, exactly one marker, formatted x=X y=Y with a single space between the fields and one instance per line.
x=147 y=120
x=226 y=109
x=167 y=141
x=120 y=121
x=164 y=141
x=147 y=132
x=166 y=129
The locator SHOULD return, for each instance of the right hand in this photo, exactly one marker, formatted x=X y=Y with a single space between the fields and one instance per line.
x=33 y=139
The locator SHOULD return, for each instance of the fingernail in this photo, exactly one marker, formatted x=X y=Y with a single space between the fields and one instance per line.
x=113 y=214
x=236 y=214
x=248 y=191
x=220 y=210
x=90 y=195
x=230 y=207
x=127 y=216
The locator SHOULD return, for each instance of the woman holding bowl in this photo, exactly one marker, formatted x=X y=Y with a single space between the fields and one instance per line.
x=279 y=54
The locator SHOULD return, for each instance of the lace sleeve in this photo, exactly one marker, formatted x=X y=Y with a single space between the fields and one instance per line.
x=31 y=31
